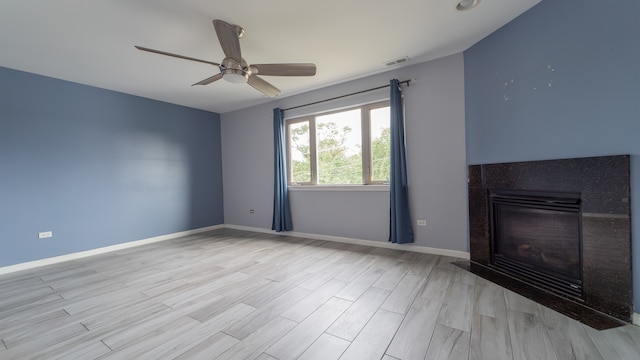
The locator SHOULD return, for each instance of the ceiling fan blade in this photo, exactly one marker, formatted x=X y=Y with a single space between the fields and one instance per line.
x=175 y=55
x=229 y=39
x=209 y=80
x=263 y=86
x=301 y=69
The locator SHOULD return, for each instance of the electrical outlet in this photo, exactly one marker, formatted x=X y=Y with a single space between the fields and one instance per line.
x=45 y=234
x=422 y=222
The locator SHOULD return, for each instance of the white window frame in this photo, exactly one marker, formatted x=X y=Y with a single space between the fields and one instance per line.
x=365 y=123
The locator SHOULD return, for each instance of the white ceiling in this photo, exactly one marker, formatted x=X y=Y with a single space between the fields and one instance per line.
x=92 y=41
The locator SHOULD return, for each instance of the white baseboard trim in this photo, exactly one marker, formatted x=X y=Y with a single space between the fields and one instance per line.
x=636 y=319
x=382 y=244
x=102 y=250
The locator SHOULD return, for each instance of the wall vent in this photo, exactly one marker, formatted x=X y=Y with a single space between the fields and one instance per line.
x=397 y=61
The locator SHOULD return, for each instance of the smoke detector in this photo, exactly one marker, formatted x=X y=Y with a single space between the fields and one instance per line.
x=467 y=4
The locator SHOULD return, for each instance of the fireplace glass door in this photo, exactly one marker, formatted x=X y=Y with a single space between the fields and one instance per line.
x=538 y=237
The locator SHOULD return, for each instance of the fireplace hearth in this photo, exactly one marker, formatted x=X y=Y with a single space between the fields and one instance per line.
x=558 y=232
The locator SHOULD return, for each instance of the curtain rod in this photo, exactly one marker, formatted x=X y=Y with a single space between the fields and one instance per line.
x=343 y=96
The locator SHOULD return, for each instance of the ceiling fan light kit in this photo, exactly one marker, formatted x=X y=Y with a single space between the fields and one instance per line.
x=235 y=76
x=233 y=72
x=235 y=69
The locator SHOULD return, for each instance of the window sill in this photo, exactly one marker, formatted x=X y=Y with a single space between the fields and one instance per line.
x=339 y=187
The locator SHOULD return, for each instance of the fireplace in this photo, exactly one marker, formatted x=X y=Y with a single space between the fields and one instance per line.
x=536 y=236
x=557 y=232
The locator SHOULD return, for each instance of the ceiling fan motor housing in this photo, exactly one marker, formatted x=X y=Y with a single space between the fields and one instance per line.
x=235 y=72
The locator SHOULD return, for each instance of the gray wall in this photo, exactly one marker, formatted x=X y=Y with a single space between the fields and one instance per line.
x=99 y=168
x=434 y=116
x=560 y=81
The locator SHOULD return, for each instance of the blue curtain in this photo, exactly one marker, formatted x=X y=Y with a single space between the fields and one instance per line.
x=281 y=211
x=400 y=227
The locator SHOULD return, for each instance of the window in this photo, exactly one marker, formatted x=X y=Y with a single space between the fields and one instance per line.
x=345 y=147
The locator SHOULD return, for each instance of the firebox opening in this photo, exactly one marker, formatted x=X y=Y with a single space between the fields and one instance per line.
x=536 y=237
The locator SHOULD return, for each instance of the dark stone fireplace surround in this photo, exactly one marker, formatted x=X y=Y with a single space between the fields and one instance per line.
x=604 y=187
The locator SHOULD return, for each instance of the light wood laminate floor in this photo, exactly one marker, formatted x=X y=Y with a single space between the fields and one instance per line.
x=231 y=294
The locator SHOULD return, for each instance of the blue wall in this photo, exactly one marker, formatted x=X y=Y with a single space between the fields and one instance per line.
x=98 y=167
x=560 y=81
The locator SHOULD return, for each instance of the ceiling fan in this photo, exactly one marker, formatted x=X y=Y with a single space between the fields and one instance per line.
x=235 y=69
